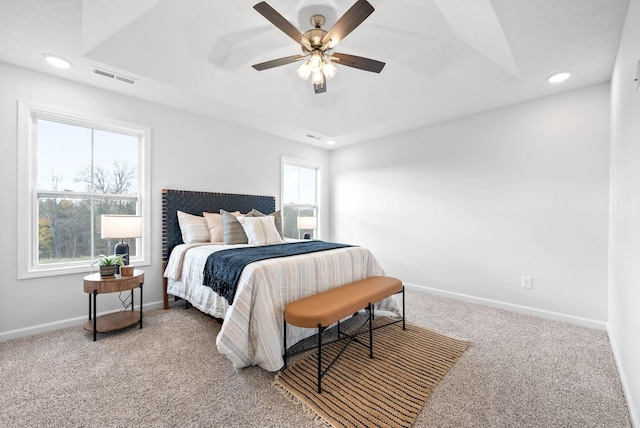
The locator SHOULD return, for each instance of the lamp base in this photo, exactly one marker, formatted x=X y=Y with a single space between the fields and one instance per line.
x=307 y=235
x=122 y=248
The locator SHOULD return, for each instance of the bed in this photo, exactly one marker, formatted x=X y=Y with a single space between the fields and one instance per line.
x=251 y=331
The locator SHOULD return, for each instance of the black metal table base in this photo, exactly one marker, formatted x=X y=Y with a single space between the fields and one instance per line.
x=93 y=309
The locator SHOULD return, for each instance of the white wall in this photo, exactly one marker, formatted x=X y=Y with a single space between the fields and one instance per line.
x=469 y=206
x=188 y=152
x=624 y=266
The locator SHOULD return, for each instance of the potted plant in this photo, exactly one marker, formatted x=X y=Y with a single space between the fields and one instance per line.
x=108 y=263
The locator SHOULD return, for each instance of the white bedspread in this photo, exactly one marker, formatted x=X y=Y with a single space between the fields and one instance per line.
x=252 y=330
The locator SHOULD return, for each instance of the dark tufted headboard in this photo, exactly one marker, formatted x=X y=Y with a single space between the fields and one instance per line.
x=198 y=202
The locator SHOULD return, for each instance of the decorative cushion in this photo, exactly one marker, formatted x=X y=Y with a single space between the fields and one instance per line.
x=277 y=217
x=260 y=230
x=232 y=231
x=193 y=228
x=214 y=223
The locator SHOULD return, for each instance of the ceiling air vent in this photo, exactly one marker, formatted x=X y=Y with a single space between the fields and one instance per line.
x=112 y=75
x=315 y=137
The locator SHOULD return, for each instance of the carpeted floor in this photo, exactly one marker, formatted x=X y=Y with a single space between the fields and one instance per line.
x=519 y=371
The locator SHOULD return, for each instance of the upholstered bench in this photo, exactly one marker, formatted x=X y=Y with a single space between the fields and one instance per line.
x=328 y=307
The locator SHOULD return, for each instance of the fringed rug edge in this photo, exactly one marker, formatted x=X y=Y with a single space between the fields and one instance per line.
x=307 y=410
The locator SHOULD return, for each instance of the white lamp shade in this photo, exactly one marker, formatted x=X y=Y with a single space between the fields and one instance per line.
x=329 y=69
x=316 y=77
x=315 y=62
x=307 y=223
x=120 y=226
x=304 y=71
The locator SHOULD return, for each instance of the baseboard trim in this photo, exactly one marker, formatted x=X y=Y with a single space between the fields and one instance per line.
x=557 y=316
x=56 y=325
x=635 y=418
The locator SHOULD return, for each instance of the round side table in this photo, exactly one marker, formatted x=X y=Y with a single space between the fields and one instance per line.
x=95 y=284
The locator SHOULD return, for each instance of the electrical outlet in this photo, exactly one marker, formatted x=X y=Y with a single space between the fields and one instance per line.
x=527 y=282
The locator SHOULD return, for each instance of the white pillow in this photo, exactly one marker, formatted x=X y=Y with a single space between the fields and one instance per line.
x=260 y=230
x=193 y=227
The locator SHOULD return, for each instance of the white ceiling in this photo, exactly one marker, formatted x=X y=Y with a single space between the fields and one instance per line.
x=444 y=58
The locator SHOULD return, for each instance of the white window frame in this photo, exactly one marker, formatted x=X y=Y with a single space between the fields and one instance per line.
x=305 y=164
x=28 y=113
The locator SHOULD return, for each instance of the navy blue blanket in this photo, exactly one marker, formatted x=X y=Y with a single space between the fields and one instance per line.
x=223 y=268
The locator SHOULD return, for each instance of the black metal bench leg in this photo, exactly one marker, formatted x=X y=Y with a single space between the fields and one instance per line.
x=403 y=313
x=320 y=329
x=370 y=330
x=284 y=340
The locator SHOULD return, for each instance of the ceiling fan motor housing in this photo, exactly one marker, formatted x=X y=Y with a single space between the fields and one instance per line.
x=315 y=37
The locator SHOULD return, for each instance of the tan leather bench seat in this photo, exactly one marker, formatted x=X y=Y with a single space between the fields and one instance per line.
x=327 y=307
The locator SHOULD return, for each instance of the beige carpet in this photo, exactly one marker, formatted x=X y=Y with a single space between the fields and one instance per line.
x=520 y=371
x=389 y=390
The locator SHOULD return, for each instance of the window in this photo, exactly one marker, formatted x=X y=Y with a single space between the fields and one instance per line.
x=300 y=190
x=72 y=169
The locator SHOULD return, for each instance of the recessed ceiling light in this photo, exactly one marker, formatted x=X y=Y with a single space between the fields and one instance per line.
x=57 y=61
x=559 y=77
x=331 y=142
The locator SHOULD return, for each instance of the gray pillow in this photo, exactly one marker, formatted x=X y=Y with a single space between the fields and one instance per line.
x=232 y=231
x=277 y=217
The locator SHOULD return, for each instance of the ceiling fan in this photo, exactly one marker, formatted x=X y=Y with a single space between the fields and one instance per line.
x=317 y=44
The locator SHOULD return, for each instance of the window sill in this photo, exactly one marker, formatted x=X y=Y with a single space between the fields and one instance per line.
x=69 y=270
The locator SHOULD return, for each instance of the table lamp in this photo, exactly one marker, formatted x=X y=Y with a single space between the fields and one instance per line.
x=307 y=223
x=115 y=226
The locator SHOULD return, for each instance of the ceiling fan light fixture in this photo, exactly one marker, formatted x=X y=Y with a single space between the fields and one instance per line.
x=304 y=71
x=317 y=78
x=329 y=69
x=315 y=62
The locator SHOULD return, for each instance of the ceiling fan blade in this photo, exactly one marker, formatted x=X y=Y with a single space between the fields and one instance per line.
x=348 y=22
x=278 y=62
x=279 y=21
x=365 y=64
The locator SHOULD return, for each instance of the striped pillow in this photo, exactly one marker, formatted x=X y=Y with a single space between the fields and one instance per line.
x=277 y=217
x=260 y=230
x=194 y=228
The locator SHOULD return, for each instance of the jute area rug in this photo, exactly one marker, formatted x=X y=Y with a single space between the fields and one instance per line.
x=389 y=390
